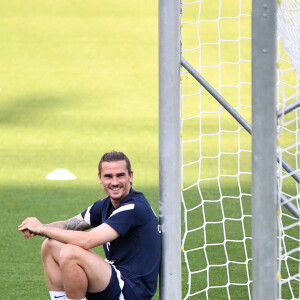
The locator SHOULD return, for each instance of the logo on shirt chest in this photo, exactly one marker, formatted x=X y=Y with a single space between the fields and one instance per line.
x=107 y=246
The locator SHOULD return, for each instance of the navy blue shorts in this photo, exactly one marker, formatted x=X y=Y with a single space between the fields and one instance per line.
x=117 y=289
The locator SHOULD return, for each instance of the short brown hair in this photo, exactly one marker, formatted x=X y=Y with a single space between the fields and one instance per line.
x=114 y=156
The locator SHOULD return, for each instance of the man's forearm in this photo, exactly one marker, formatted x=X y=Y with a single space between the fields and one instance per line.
x=58 y=224
x=87 y=240
x=98 y=236
x=76 y=224
x=60 y=234
x=72 y=224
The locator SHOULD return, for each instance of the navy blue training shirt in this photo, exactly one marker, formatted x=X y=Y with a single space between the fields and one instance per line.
x=136 y=252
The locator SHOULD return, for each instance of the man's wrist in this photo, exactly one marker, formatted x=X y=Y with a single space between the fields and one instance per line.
x=40 y=230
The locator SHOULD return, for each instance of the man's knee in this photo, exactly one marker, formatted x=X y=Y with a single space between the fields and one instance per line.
x=49 y=247
x=68 y=254
x=46 y=248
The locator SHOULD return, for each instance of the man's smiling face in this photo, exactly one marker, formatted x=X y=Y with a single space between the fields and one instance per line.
x=116 y=180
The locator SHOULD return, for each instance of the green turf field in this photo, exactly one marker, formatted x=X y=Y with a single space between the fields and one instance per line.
x=78 y=78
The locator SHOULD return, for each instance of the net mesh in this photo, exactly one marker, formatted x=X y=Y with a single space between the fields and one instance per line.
x=289 y=138
x=216 y=154
x=288 y=26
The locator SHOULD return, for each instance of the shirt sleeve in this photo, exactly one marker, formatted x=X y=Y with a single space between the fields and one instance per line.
x=92 y=215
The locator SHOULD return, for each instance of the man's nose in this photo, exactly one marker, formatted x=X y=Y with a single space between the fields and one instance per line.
x=115 y=180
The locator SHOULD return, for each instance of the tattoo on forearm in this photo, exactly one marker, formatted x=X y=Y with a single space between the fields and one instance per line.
x=76 y=224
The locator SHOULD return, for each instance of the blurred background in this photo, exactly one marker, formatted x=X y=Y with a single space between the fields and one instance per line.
x=78 y=78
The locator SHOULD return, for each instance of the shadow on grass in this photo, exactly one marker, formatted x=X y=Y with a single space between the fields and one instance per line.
x=31 y=110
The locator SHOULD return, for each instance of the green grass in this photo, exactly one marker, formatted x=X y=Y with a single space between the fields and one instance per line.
x=81 y=78
x=77 y=79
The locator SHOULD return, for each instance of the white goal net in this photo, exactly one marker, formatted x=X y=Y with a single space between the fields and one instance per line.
x=216 y=150
x=289 y=146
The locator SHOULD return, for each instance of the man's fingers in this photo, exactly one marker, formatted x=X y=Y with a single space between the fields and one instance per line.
x=23 y=233
x=22 y=227
x=26 y=233
x=23 y=224
x=31 y=224
x=33 y=234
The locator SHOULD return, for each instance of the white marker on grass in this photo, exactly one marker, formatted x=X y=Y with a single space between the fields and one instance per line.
x=61 y=174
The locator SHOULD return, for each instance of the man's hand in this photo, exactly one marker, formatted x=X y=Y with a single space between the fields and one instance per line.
x=30 y=227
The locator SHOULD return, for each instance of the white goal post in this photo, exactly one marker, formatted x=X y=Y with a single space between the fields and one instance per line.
x=169 y=148
x=229 y=149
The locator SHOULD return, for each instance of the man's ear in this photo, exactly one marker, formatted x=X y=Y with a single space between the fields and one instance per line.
x=99 y=176
x=131 y=177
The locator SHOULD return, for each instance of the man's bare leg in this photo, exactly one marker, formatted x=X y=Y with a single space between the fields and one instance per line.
x=73 y=269
x=50 y=255
x=83 y=270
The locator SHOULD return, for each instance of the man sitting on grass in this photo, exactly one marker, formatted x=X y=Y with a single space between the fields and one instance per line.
x=124 y=223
